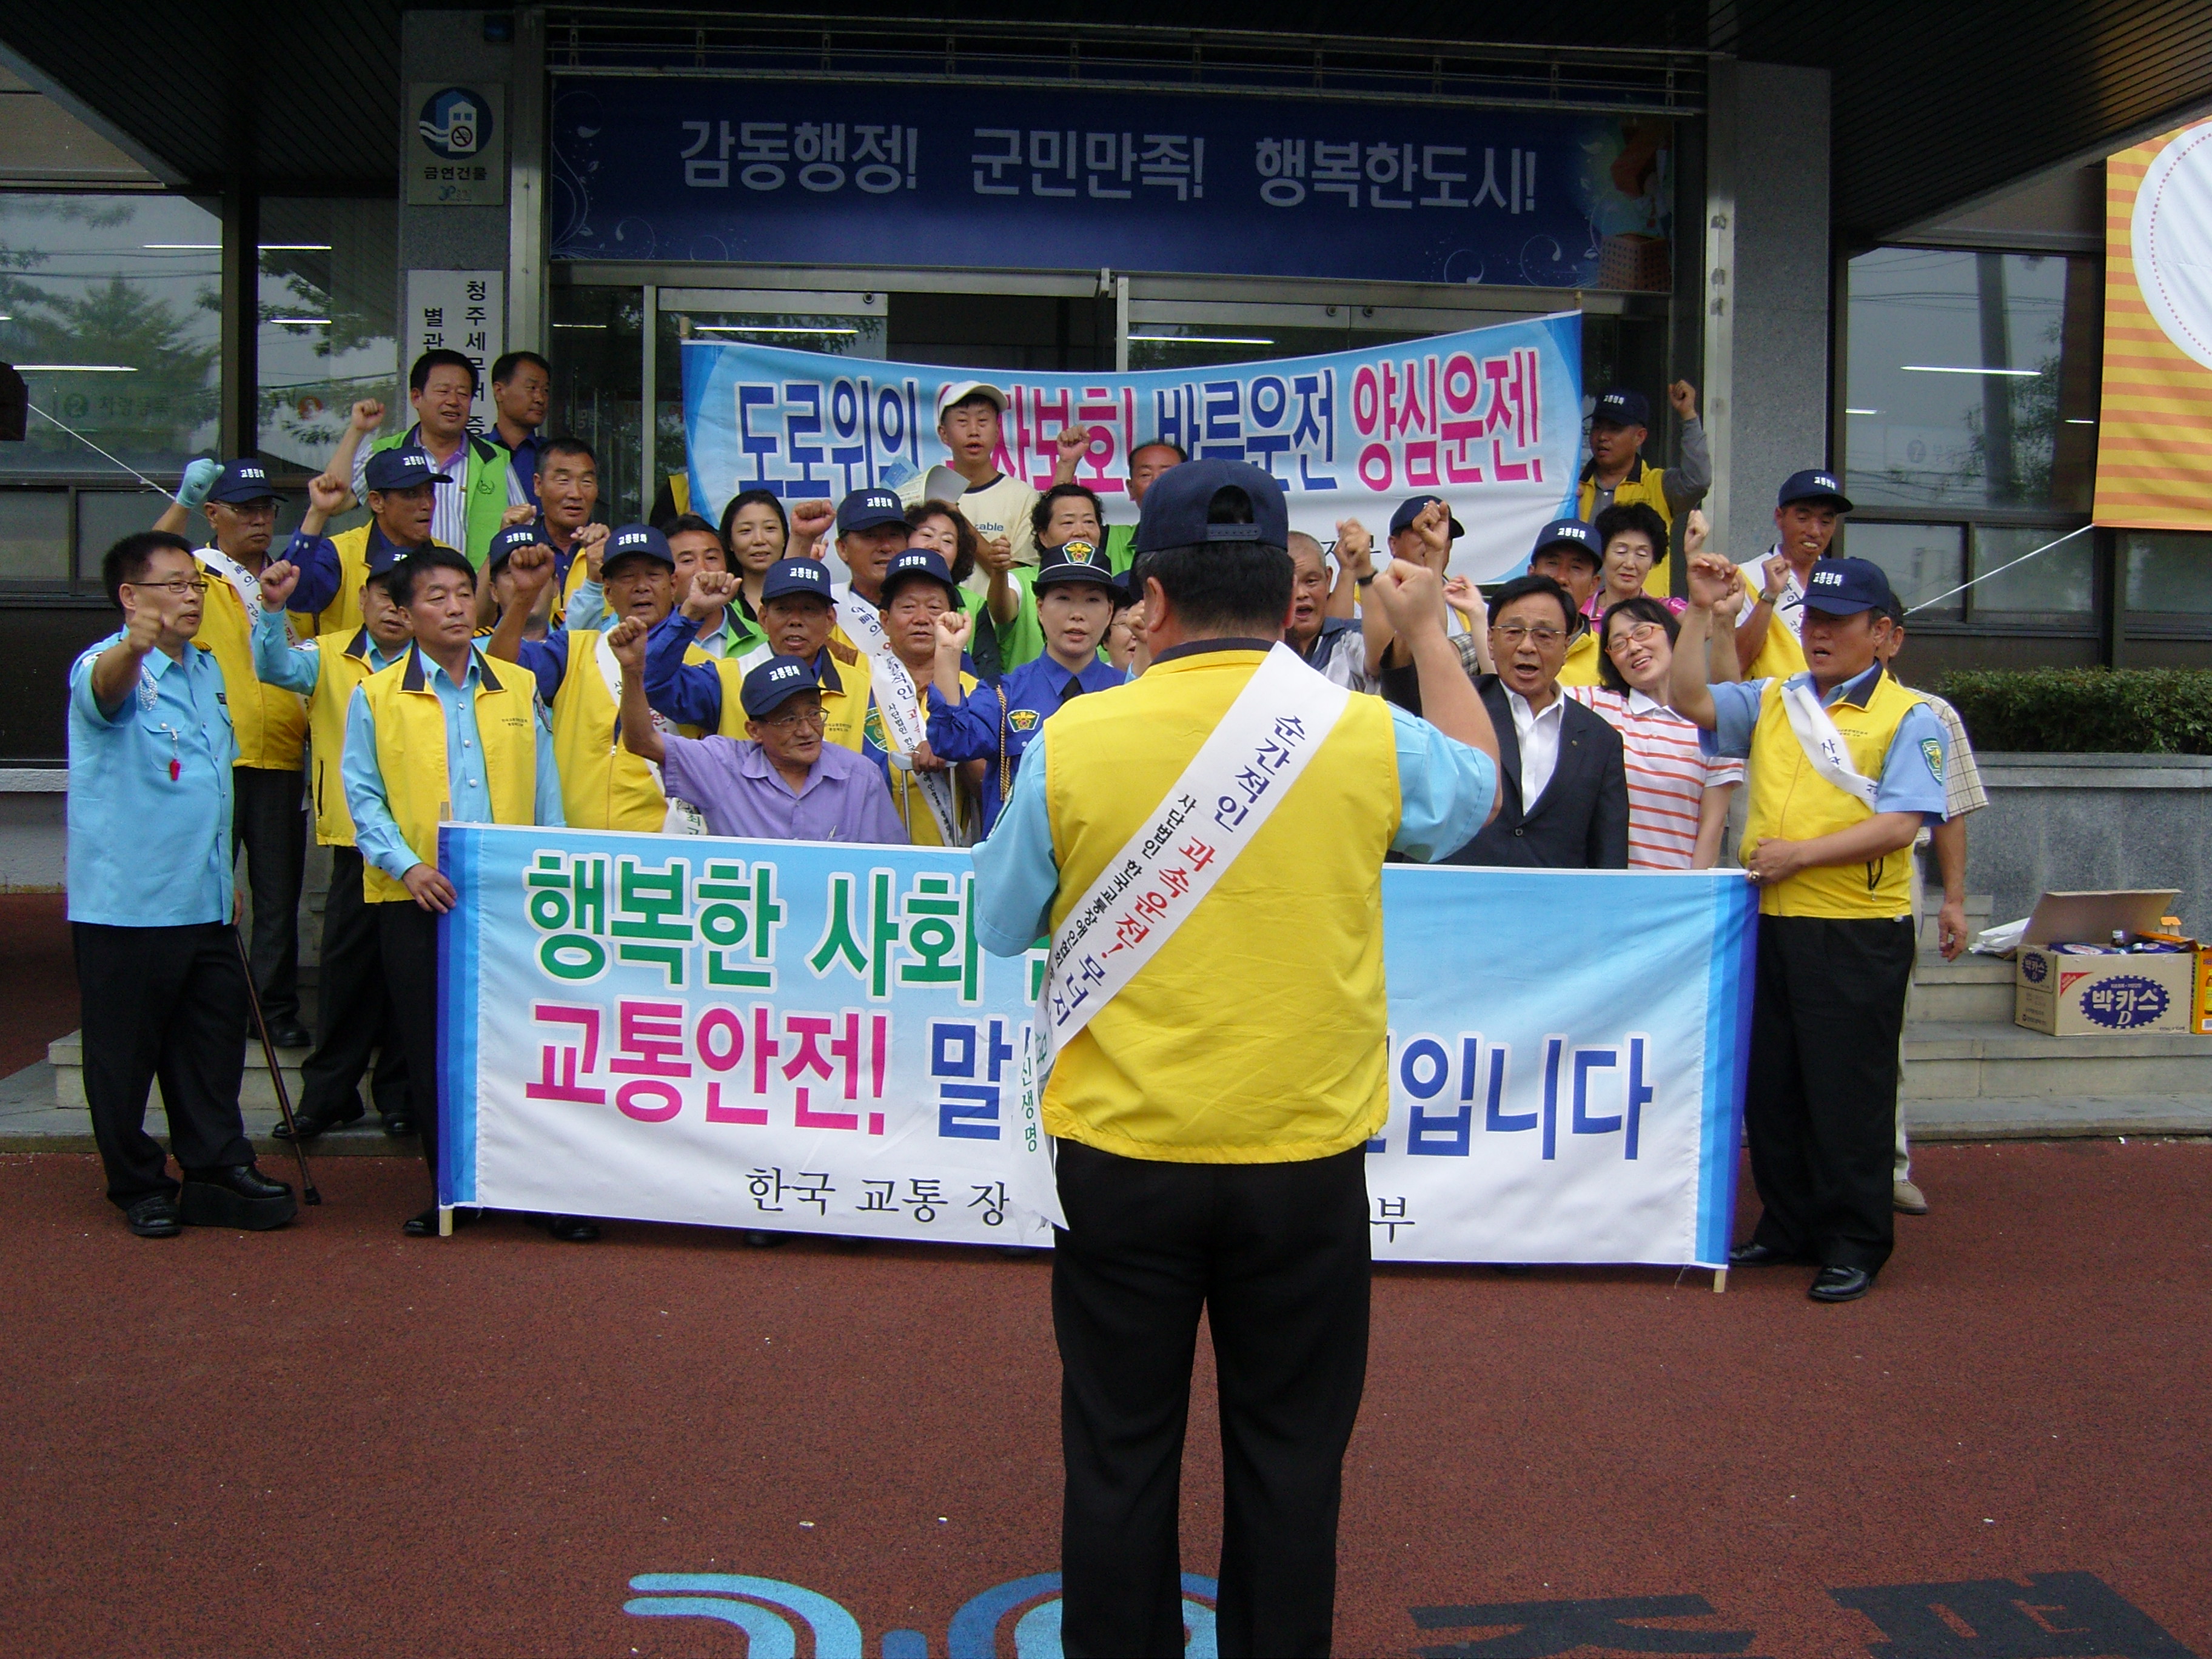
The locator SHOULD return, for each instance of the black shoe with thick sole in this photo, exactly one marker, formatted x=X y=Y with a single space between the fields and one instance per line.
x=310 y=1124
x=1840 y=1284
x=238 y=1196
x=154 y=1217
x=1761 y=1256
x=290 y=1034
x=399 y=1126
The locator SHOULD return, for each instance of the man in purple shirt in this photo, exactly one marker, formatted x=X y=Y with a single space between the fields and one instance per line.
x=785 y=784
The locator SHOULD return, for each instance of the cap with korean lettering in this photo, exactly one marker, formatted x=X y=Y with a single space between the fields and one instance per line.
x=788 y=576
x=242 y=481
x=402 y=469
x=864 y=509
x=503 y=545
x=1075 y=560
x=775 y=683
x=1618 y=406
x=953 y=393
x=636 y=541
x=1569 y=533
x=1815 y=484
x=919 y=564
x=1411 y=508
x=1842 y=587
x=1178 y=506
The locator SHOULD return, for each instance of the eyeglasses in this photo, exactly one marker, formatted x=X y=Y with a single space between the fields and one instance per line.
x=1642 y=634
x=260 y=509
x=797 y=718
x=178 y=585
x=1514 y=632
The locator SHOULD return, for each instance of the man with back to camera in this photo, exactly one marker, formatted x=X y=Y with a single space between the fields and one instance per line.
x=1207 y=1158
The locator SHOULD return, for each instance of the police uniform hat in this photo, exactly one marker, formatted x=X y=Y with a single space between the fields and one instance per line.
x=402 y=469
x=1568 y=533
x=636 y=541
x=1842 y=587
x=1175 y=509
x=788 y=576
x=504 y=545
x=242 y=481
x=775 y=683
x=1073 y=561
x=1814 y=485
x=924 y=564
x=1411 y=508
x=1618 y=406
x=864 y=509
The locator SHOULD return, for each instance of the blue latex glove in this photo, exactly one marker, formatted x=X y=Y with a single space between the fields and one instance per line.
x=199 y=478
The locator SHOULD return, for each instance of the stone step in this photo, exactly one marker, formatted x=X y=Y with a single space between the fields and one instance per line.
x=1997 y=1061
x=1972 y=989
x=1985 y=1119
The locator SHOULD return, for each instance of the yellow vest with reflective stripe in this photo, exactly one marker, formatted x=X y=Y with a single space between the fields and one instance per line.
x=410 y=753
x=845 y=708
x=603 y=786
x=344 y=665
x=1257 y=1035
x=269 y=721
x=1790 y=800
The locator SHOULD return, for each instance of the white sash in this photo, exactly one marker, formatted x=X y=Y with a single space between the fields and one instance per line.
x=900 y=704
x=681 y=819
x=242 y=582
x=863 y=625
x=1823 y=744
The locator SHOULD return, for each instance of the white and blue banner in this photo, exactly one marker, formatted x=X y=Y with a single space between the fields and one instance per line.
x=1490 y=419
x=806 y=1037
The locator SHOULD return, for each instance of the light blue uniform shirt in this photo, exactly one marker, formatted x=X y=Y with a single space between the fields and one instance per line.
x=1444 y=787
x=375 y=832
x=1910 y=781
x=277 y=661
x=146 y=849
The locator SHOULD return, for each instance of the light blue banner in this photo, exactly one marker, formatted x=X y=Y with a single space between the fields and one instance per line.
x=806 y=1037
x=1490 y=419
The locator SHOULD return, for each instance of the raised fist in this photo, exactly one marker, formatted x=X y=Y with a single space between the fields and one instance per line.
x=994 y=553
x=328 y=495
x=368 y=416
x=954 y=630
x=810 y=520
x=1710 y=578
x=529 y=567
x=278 y=579
x=627 y=640
x=143 y=630
x=711 y=590
x=521 y=513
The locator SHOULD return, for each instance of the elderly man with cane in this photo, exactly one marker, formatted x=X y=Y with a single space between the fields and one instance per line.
x=1219 y=1075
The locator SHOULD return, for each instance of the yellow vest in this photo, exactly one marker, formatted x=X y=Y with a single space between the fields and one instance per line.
x=1644 y=483
x=1581 y=666
x=269 y=721
x=1258 y=1033
x=411 y=754
x=1780 y=655
x=906 y=799
x=344 y=665
x=1790 y=800
x=603 y=785
x=845 y=706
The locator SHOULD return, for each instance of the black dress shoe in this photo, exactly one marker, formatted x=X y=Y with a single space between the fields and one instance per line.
x=1840 y=1284
x=290 y=1034
x=399 y=1126
x=571 y=1228
x=1755 y=1254
x=310 y=1124
x=236 y=1195
x=425 y=1225
x=760 y=1240
x=153 y=1217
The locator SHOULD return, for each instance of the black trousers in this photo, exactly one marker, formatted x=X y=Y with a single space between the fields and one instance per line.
x=1820 y=1106
x=168 y=1003
x=1277 y=1255
x=408 y=935
x=353 y=1015
x=267 y=821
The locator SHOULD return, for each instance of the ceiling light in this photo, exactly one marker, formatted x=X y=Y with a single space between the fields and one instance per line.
x=295 y=247
x=1945 y=369
x=1199 y=339
x=75 y=368
x=2075 y=420
x=762 y=328
x=301 y=322
x=580 y=324
x=182 y=247
x=1862 y=411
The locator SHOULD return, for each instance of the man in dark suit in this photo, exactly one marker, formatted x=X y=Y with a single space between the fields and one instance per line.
x=1562 y=793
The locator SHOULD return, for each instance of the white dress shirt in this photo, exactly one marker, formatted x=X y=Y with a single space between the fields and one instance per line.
x=1538 y=737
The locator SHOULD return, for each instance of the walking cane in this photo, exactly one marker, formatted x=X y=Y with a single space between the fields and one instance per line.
x=307 y=1192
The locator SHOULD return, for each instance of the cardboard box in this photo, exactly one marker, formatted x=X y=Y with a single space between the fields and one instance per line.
x=2203 y=1022
x=2068 y=995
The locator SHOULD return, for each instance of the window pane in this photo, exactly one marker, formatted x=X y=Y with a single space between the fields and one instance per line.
x=327 y=333
x=597 y=377
x=1971 y=379
x=111 y=304
x=105 y=517
x=2168 y=573
x=34 y=536
x=2054 y=586
x=1921 y=560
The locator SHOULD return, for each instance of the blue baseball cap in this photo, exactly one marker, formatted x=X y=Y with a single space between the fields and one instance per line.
x=636 y=541
x=1813 y=485
x=504 y=545
x=401 y=469
x=1411 y=508
x=925 y=562
x=775 y=683
x=1076 y=560
x=242 y=481
x=1568 y=533
x=788 y=576
x=864 y=509
x=1175 y=509
x=1842 y=587
x=1618 y=406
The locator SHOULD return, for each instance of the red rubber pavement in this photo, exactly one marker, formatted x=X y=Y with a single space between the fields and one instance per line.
x=38 y=972
x=333 y=1440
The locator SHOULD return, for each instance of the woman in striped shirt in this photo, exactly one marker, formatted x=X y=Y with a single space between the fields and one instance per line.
x=1678 y=796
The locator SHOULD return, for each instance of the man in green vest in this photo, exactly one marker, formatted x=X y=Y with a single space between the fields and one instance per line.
x=443 y=387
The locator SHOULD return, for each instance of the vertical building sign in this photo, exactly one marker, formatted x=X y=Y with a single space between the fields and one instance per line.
x=461 y=311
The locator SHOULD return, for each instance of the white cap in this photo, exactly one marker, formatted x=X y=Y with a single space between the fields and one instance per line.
x=955 y=391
